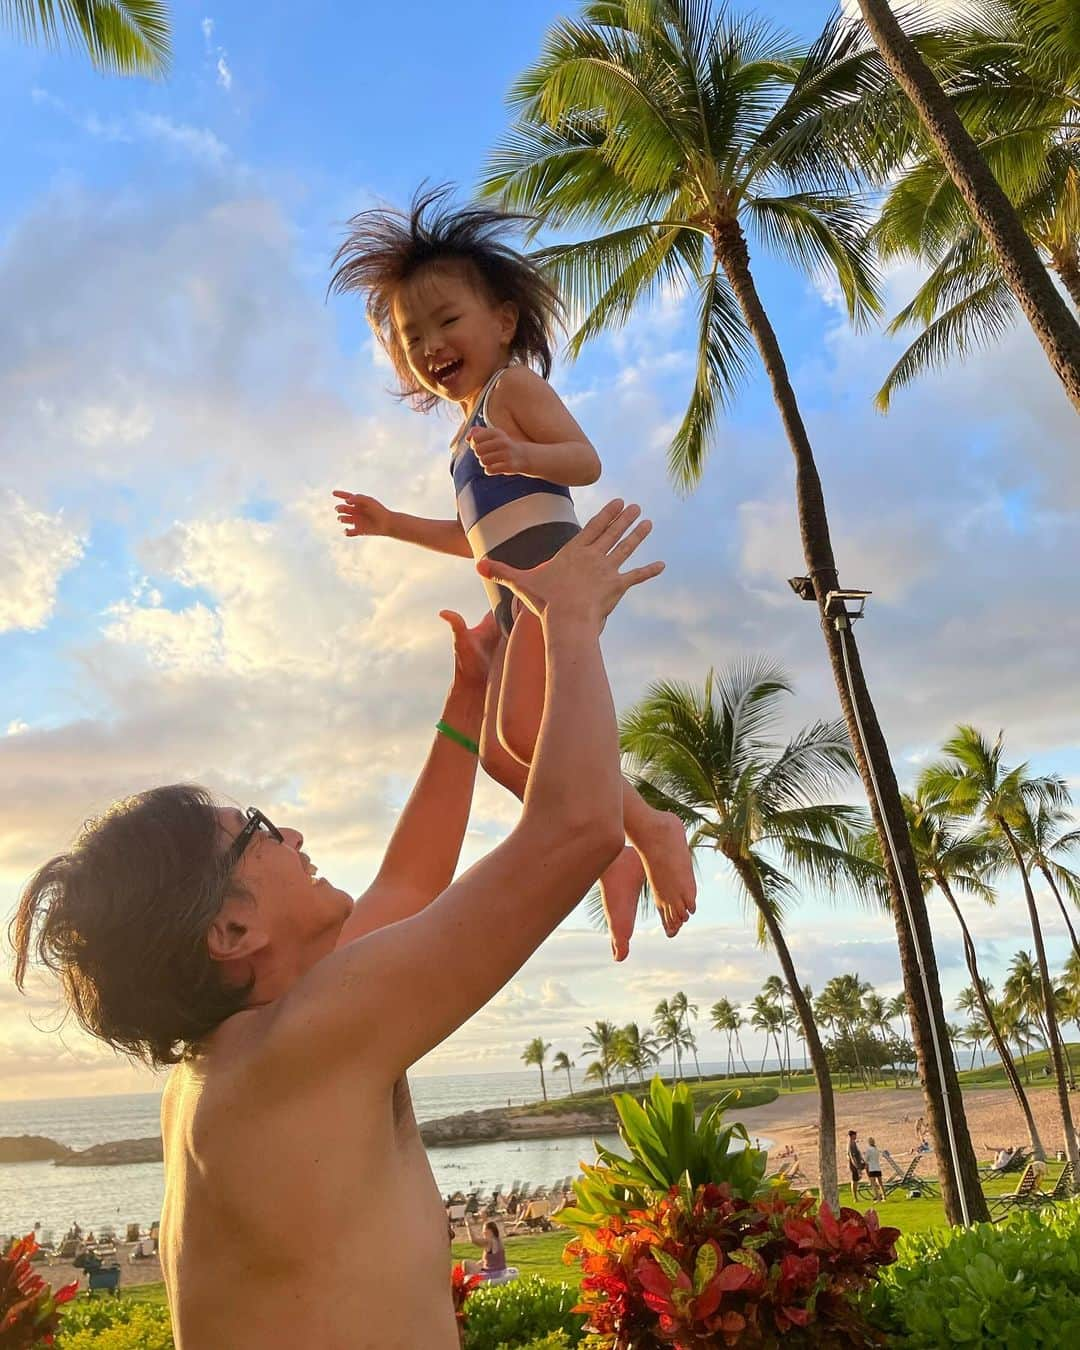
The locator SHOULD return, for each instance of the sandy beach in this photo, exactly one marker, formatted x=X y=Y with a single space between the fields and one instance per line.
x=890 y=1116
x=147 y=1270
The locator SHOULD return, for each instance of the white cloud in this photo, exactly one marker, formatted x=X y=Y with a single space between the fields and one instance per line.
x=36 y=549
x=167 y=364
x=224 y=74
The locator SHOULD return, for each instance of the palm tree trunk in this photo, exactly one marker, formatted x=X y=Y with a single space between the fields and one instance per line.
x=830 y=1187
x=742 y=1055
x=543 y=1085
x=1061 y=905
x=987 y=1011
x=875 y=768
x=569 y=1082
x=1049 y=1011
x=990 y=208
x=1067 y=266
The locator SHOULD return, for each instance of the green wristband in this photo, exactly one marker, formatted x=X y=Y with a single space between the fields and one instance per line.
x=458 y=737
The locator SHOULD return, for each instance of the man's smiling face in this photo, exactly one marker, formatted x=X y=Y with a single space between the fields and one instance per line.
x=299 y=913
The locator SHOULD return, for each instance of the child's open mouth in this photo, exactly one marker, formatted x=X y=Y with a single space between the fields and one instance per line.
x=444 y=373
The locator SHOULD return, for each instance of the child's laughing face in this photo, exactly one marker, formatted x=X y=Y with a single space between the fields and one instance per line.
x=453 y=335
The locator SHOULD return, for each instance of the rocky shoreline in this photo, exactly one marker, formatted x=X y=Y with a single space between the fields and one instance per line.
x=499 y=1125
x=495 y=1125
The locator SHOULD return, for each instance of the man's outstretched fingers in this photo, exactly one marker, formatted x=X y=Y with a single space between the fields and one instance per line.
x=640 y=574
x=629 y=542
x=595 y=527
x=618 y=525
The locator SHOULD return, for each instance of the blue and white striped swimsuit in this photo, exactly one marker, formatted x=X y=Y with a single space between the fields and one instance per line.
x=509 y=518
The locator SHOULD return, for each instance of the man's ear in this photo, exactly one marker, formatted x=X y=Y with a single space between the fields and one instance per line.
x=236 y=933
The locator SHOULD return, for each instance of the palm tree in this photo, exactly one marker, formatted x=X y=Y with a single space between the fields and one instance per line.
x=726 y=1017
x=977 y=1031
x=974 y=780
x=1018 y=101
x=639 y=1049
x=774 y=988
x=767 y=1017
x=670 y=125
x=1016 y=1026
x=124 y=37
x=987 y=202
x=686 y=1010
x=956 y=862
x=898 y=1008
x=841 y=1002
x=707 y=754
x=601 y=1040
x=596 y=1073
x=1045 y=835
x=534 y=1053
x=670 y=1034
x=563 y=1061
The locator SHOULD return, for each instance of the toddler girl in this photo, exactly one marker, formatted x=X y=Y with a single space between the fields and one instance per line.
x=464 y=318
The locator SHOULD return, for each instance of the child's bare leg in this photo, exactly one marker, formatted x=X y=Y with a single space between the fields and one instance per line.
x=660 y=849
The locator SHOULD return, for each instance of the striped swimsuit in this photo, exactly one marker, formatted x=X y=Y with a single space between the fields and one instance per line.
x=509 y=518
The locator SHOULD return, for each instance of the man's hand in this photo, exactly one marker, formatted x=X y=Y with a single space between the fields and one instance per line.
x=583 y=579
x=496 y=451
x=473 y=647
x=362 y=515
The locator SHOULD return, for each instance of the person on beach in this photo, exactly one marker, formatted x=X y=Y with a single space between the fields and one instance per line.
x=873 y=1170
x=493 y=1262
x=191 y=934
x=464 y=319
x=856 y=1163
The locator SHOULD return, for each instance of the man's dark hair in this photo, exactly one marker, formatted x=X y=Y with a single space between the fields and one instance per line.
x=123 y=919
x=385 y=248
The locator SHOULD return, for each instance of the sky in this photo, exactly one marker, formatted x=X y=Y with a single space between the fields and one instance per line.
x=179 y=400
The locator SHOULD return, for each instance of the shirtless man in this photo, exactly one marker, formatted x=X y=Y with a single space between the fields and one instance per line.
x=294 y=1013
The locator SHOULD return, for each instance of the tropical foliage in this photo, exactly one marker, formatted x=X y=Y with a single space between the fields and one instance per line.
x=29 y=1309
x=126 y=37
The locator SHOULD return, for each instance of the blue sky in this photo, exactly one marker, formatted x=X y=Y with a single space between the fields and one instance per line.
x=180 y=400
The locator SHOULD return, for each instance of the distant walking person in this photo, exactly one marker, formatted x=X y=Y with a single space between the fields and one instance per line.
x=873 y=1169
x=856 y=1163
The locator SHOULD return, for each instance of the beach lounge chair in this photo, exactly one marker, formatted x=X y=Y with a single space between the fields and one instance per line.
x=1025 y=1195
x=904 y=1177
x=1016 y=1163
x=1063 y=1188
x=456 y=1213
x=68 y=1249
x=535 y=1215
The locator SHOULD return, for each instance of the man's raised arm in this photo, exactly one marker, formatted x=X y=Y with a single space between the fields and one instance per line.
x=392 y=996
x=423 y=852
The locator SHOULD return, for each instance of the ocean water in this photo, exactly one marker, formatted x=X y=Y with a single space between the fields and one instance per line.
x=55 y=1196
x=132 y=1193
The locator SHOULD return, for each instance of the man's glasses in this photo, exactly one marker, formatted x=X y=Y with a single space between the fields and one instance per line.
x=256 y=821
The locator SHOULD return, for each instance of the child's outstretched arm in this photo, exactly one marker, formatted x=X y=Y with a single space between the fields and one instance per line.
x=363 y=515
x=533 y=433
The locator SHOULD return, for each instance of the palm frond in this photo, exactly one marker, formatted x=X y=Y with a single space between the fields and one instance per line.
x=822 y=233
x=125 y=37
x=603 y=279
x=723 y=358
x=980 y=319
x=813 y=762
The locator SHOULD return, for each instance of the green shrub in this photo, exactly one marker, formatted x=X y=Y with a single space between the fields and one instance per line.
x=520 y=1314
x=1013 y=1286
x=114 y=1324
x=554 y=1340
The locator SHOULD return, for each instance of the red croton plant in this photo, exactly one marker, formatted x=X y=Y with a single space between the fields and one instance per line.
x=708 y=1268
x=28 y=1307
x=461 y=1286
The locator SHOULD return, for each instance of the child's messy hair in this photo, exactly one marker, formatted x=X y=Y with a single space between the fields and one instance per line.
x=384 y=248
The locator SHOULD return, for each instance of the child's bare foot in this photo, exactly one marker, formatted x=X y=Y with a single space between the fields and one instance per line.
x=620 y=887
x=670 y=869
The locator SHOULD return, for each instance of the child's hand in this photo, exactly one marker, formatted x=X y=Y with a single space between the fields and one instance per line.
x=496 y=452
x=362 y=515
